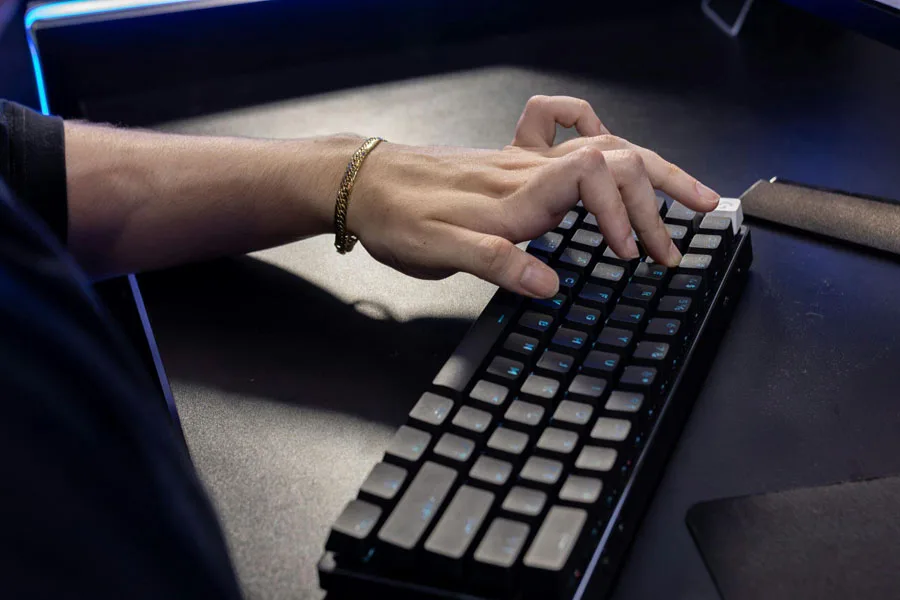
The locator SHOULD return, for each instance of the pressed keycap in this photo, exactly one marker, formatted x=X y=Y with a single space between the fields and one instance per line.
x=567 y=280
x=472 y=420
x=543 y=471
x=596 y=296
x=524 y=502
x=492 y=471
x=622 y=401
x=540 y=388
x=679 y=235
x=407 y=446
x=587 y=387
x=584 y=318
x=418 y=506
x=650 y=274
x=551 y=306
x=630 y=317
x=521 y=344
x=573 y=414
x=383 y=482
x=566 y=339
x=588 y=238
x=502 y=543
x=525 y=414
x=639 y=294
x=508 y=441
x=557 y=441
x=679 y=214
x=492 y=395
x=554 y=543
x=556 y=362
x=581 y=490
x=615 y=339
x=578 y=259
x=430 y=411
x=534 y=321
x=596 y=459
x=548 y=243
x=610 y=257
x=729 y=208
x=353 y=527
x=460 y=522
x=602 y=363
x=611 y=430
x=456 y=450
x=609 y=275
x=568 y=221
x=505 y=368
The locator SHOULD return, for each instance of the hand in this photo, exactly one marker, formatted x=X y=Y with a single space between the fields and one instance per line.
x=433 y=211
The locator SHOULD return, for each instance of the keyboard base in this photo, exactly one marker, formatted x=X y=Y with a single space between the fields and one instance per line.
x=603 y=566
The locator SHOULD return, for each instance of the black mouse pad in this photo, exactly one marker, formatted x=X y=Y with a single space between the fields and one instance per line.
x=835 y=542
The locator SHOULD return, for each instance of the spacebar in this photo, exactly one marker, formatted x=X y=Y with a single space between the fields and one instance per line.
x=459 y=369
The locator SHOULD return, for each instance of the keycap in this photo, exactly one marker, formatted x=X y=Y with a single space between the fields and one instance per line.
x=638 y=378
x=453 y=449
x=568 y=221
x=705 y=244
x=548 y=556
x=714 y=225
x=502 y=543
x=695 y=264
x=521 y=344
x=567 y=280
x=556 y=441
x=600 y=362
x=418 y=506
x=535 y=322
x=676 y=306
x=639 y=294
x=629 y=317
x=666 y=330
x=652 y=354
x=581 y=490
x=472 y=421
x=628 y=264
x=611 y=430
x=578 y=259
x=383 y=483
x=550 y=306
x=555 y=362
x=615 y=339
x=650 y=274
x=521 y=413
x=689 y=285
x=588 y=238
x=540 y=388
x=407 y=446
x=731 y=208
x=679 y=214
x=548 y=243
x=542 y=471
x=596 y=296
x=566 y=339
x=460 y=522
x=596 y=459
x=524 y=502
x=587 y=387
x=490 y=395
x=460 y=369
x=590 y=220
x=430 y=411
x=622 y=401
x=584 y=318
x=353 y=528
x=679 y=235
x=505 y=368
x=508 y=442
x=491 y=471
x=608 y=275
x=573 y=415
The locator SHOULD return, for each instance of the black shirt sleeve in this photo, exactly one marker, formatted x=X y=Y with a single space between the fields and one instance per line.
x=33 y=163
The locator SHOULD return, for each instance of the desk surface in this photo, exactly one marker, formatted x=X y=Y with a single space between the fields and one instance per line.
x=293 y=367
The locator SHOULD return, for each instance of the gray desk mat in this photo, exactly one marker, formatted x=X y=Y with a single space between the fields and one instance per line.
x=291 y=368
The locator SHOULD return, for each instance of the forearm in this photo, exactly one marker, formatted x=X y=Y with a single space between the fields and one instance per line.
x=140 y=200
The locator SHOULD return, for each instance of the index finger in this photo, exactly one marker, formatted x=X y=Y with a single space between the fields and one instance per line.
x=671 y=179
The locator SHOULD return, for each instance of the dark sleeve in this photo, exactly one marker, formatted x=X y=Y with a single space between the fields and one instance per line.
x=33 y=163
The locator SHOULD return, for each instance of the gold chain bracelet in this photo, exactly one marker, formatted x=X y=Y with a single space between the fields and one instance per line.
x=343 y=239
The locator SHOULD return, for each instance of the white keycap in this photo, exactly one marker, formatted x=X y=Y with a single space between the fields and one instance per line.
x=731 y=208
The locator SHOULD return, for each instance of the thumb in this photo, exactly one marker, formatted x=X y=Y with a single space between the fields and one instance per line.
x=499 y=261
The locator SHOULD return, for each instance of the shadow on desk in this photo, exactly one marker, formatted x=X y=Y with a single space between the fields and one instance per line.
x=245 y=326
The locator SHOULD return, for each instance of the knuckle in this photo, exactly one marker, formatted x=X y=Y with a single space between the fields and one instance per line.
x=537 y=102
x=633 y=162
x=591 y=158
x=494 y=254
x=584 y=105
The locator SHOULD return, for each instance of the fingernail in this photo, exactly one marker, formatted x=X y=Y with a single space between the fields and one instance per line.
x=631 y=248
x=539 y=281
x=674 y=255
x=707 y=194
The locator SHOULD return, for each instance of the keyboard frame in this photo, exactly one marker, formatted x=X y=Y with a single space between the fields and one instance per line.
x=602 y=565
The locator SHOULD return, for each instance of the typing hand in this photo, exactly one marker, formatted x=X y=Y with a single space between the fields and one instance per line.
x=433 y=211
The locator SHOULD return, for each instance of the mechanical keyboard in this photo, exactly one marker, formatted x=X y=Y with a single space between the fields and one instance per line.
x=524 y=470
